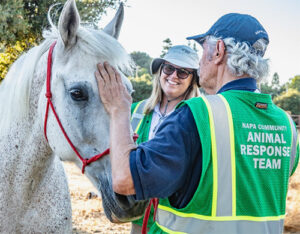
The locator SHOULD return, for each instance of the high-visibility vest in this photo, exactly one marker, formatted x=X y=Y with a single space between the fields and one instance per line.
x=140 y=124
x=248 y=153
x=137 y=115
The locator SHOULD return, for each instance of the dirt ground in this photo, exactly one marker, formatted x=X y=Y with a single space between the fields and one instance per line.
x=87 y=212
x=89 y=217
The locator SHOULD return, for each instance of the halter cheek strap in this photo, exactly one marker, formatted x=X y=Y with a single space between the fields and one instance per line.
x=85 y=161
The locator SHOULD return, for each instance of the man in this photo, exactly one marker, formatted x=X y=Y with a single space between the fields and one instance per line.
x=220 y=163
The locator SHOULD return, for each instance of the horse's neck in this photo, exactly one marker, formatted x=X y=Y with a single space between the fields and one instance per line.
x=34 y=196
x=24 y=151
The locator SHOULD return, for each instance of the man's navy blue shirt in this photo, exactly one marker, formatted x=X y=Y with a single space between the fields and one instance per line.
x=170 y=164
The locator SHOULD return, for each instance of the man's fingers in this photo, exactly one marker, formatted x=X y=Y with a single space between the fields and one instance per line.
x=110 y=71
x=100 y=80
x=98 y=76
x=101 y=86
x=103 y=73
x=119 y=81
x=117 y=76
x=113 y=93
x=109 y=78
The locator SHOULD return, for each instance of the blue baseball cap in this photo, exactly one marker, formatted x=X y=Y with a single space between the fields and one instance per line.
x=241 y=27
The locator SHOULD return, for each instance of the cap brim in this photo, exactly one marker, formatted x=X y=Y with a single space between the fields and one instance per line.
x=158 y=61
x=155 y=65
x=198 y=38
x=180 y=63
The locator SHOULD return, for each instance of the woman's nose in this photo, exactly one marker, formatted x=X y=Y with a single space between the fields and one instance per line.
x=174 y=75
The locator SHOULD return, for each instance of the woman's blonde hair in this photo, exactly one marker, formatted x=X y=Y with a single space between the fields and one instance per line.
x=157 y=92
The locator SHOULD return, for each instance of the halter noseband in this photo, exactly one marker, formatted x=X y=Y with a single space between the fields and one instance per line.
x=85 y=161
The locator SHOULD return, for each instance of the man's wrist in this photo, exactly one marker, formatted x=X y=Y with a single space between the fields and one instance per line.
x=119 y=113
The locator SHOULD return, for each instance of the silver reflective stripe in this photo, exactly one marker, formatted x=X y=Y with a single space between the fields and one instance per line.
x=197 y=226
x=138 y=115
x=294 y=144
x=222 y=133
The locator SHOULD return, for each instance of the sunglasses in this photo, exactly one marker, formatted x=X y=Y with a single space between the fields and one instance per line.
x=182 y=73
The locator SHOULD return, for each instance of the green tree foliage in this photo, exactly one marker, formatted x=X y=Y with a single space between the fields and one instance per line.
x=141 y=83
x=142 y=71
x=265 y=88
x=274 y=89
x=167 y=44
x=21 y=19
x=22 y=23
x=13 y=25
x=11 y=53
x=295 y=83
x=289 y=101
x=192 y=45
x=142 y=60
x=142 y=87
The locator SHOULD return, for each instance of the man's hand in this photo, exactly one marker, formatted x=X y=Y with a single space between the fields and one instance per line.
x=117 y=103
x=112 y=91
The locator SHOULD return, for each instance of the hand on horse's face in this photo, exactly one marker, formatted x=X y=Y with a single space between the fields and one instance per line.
x=112 y=91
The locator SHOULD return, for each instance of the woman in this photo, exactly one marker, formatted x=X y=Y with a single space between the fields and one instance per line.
x=174 y=79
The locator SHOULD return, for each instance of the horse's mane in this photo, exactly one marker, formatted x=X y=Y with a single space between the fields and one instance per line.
x=15 y=89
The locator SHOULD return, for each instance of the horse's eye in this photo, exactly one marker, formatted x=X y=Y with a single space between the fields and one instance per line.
x=78 y=95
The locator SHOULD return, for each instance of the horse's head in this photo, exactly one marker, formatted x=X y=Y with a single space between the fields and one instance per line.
x=77 y=103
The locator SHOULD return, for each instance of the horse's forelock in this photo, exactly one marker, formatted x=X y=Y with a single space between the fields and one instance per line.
x=97 y=42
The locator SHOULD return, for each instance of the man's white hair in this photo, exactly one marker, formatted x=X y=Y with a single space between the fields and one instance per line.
x=243 y=59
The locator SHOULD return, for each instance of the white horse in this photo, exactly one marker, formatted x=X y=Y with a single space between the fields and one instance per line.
x=34 y=195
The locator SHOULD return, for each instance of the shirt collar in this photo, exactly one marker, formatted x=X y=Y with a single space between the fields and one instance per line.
x=157 y=110
x=247 y=84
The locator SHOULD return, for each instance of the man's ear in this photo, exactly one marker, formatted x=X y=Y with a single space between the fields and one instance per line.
x=220 y=52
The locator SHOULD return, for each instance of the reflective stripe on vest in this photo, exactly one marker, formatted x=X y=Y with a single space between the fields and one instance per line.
x=223 y=218
x=137 y=116
x=197 y=224
x=224 y=157
x=294 y=143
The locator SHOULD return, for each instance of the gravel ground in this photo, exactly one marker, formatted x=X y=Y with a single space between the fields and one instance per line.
x=89 y=217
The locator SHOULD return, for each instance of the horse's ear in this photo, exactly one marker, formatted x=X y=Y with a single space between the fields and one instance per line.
x=113 y=27
x=68 y=23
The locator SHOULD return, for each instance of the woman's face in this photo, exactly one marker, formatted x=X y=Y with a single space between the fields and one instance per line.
x=172 y=85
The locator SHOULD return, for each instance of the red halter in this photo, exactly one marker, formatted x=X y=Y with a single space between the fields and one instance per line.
x=85 y=161
x=154 y=202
